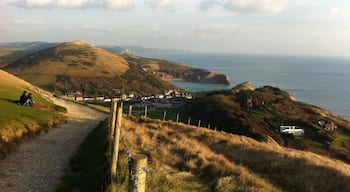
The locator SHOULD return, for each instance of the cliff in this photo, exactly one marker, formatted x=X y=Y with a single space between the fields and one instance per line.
x=168 y=70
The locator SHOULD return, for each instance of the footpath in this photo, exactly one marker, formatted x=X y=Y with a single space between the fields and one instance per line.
x=39 y=164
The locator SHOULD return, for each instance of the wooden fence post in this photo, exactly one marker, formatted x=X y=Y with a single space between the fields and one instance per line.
x=177 y=118
x=116 y=143
x=189 y=121
x=112 y=119
x=164 y=116
x=137 y=173
x=130 y=110
x=145 y=115
x=199 y=123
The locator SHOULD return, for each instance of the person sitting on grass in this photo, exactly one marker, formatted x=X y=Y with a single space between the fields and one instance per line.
x=29 y=102
x=23 y=98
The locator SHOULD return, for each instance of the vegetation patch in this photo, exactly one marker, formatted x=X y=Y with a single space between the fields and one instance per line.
x=19 y=122
x=187 y=158
x=259 y=113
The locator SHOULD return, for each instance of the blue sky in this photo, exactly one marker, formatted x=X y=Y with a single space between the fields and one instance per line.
x=307 y=27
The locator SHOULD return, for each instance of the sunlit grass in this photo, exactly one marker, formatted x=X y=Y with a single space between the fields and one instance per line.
x=340 y=139
x=43 y=81
x=17 y=121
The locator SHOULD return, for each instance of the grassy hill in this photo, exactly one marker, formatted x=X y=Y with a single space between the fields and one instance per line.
x=228 y=111
x=76 y=66
x=18 y=122
x=10 y=52
x=8 y=56
x=168 y=70
x=77 y=59
x=184 y=158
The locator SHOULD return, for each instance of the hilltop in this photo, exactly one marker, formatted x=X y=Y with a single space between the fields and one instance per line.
x=78 y=66
x=75 y=59
x=228 y=111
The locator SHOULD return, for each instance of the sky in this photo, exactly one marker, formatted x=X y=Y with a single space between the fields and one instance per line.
x=292 y=27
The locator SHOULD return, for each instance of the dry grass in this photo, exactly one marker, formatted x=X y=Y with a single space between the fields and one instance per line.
x=217 y=161
x=72 y=59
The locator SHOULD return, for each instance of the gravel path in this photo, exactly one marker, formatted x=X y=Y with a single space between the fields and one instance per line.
x=38 y=165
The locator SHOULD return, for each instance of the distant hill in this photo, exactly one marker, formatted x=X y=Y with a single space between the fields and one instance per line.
x=32 y=46
x=77 y=66
x=163 y=69
x=228 y=111
x=9 y=52
x=138 y=50
x=168 y=70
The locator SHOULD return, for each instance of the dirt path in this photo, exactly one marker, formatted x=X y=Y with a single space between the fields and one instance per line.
x=38 y=164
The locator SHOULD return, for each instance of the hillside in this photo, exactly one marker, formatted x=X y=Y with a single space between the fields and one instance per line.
x=184 y=158
x=18 y=122
x=218 y=161
x=78 y=66
x=168 y=70
x=228 y=111
x=75 y=59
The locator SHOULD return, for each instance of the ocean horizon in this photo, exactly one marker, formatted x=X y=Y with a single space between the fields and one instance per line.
x=320 y=81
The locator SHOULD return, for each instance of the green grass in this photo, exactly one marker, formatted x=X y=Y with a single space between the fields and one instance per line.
x=89 y=164
x=43 y=81
x=8 y=56
x=341 y=138
x=18 y=122
x=158 y=113
x=12 y=112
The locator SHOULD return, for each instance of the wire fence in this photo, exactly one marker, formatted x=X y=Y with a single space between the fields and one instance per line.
x=137 y=163
x=168 y=114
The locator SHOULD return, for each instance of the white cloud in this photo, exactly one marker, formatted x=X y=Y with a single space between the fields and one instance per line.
x=39 y=3
x=71 y=3
x=339 y=11
x=34 y=3
x=260 y=6
x=118 y=4
x=155 y=4
x=75 y=4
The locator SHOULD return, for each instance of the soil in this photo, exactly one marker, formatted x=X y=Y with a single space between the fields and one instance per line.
x=39 y=164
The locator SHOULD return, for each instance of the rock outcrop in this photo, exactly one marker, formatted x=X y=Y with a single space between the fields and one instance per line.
x=245 y=86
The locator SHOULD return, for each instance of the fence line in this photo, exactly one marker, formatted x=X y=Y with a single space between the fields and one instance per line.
x=167 y=115
x=137 y=163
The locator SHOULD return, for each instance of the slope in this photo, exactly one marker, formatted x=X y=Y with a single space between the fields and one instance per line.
x=78 y=66
x=16 y=121
x=168 y=70
x=228 y=110
x=187 y=158
x=38 y=164
x=180 y=155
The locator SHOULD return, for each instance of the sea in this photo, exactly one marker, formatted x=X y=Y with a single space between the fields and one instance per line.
x=320 y=81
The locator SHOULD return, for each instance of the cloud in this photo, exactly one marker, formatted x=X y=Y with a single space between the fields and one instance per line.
x=155 y=4
x=118 y=4
x=71 y=4
x=34 y=3
x=258 y=6
x=339 y=11
x=75 y=4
